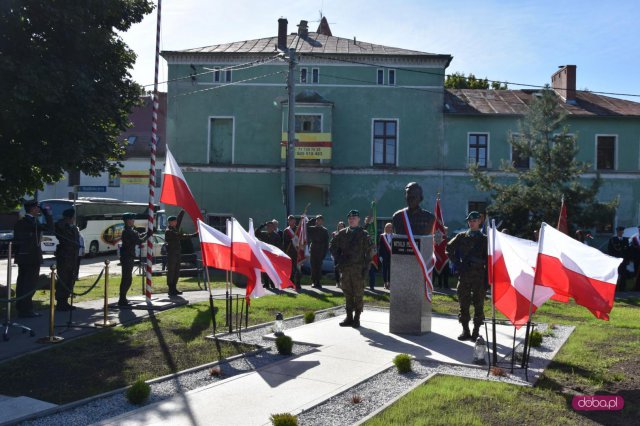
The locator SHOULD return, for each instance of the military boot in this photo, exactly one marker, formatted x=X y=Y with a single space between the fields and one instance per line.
x=348 y=321
x=466 y=335
x=356 y=320
x=475 y=333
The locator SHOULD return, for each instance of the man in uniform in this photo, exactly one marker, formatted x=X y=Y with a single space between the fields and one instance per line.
x=67 y=253
x=130 y=240
x=290 y=245
x=352 y=250
x=619 y=247
x=270 y=236
x=318 y=237
x=468 y=251
x=26 y=234
x=173 y=237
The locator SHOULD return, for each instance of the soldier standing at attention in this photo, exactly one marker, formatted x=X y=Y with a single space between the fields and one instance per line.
x=352 y=250
x=67 y=253
x=290 y=244
x=468 y=251
x=173 y=236
x=318 y=236
x=130 y=240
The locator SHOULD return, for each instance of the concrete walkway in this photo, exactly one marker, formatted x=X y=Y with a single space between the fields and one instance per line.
x=344 y=357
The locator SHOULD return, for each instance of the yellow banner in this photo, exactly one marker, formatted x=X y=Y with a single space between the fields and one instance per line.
x=134 y=177
x=309 y=146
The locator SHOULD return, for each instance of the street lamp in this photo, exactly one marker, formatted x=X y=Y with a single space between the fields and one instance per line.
x=278 y=325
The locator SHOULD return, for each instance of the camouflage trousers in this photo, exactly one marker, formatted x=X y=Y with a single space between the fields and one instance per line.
x=471 y=290
x=352 y=282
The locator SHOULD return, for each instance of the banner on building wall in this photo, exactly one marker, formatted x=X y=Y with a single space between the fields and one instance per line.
x=309 y=146
x=134 y=177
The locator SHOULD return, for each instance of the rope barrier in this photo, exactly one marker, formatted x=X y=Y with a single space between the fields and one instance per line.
x=15 y=299
x=71 y=292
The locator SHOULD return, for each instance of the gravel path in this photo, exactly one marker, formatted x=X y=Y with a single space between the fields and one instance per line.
x=338 y=410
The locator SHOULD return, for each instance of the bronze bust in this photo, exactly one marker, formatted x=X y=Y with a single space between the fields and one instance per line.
x=421 y=220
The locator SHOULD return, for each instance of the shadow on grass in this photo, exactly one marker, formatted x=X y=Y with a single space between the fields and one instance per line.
x=201 y=322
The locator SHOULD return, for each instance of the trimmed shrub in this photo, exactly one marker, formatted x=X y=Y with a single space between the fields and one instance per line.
x=284 y=345
x=283 y=419
x=138 y=392
x=535 y=339
x=309 y=317
x=402 y=363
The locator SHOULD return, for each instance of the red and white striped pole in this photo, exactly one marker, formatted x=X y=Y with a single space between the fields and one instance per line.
x=152 y=167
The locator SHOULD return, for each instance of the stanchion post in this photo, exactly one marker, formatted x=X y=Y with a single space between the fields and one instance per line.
x=105 y=321
x=52 y=338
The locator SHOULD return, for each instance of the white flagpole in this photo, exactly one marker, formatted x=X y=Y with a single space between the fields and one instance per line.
x=492 y=247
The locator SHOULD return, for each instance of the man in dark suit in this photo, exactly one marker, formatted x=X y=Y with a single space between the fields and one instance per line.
x=318 y=236
x=619 y=247
x=27 y=233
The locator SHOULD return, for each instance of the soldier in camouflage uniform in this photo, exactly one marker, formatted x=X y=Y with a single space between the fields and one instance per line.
x=468 y=251
x=352 y=249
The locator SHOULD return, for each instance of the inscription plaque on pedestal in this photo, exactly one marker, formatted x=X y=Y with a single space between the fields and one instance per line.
x=409 y=311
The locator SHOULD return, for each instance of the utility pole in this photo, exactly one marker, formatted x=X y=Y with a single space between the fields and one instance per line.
x=291 y=135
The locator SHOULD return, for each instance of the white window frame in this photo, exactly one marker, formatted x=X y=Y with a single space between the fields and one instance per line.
x=217 y=75
x=306 y=75
x=373 y=122
x=513 y=136
x=315 y=72
x=233 y=136
x=306 y=113
x=395 y=77
x=615 y=152
x=488 y=165
x=228 y=76
x=379 y=72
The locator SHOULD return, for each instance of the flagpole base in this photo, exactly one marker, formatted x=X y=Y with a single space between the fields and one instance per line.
x=50 y=339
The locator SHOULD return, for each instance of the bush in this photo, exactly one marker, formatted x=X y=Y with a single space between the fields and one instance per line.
x=402 y=363
x=284 y=419
x=309 y=317
x=138 y=392
x=535 y=339
x=284 y=345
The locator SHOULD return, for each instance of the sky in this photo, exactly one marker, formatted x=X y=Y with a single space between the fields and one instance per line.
x=520 y=41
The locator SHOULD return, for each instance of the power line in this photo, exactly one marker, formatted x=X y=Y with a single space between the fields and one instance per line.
x=229 y=84
x=537 y=86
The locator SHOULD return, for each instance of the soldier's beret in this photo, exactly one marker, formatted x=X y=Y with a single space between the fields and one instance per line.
x=170 y=218
x=29 y=204
x=290 y=217
x=128 y=216
x=69 y=213
x=354 y=213
x=620 y=228
x=473 y=215
x=319 y=217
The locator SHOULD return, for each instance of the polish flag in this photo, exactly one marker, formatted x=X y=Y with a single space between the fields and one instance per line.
x=439 y=240
x=280 y=262
x=511 y=270
x=216 y=247
x=175 y=190
x=573 y=269
x=301 y=235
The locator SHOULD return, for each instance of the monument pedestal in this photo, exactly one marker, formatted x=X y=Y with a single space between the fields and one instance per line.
x=410 y=311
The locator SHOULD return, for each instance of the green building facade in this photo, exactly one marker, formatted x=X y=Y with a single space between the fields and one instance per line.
x=369 y=119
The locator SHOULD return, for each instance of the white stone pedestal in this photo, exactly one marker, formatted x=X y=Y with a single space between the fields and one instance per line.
x=410 y=311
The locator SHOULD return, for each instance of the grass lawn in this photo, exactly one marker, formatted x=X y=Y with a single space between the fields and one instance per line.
x=600 y=357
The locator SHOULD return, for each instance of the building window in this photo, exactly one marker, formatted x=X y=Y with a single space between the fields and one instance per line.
x=308 y=123
x=519 y=161
x=228 y=76
x=158 y=178
x=114 y=180
x=606 y=152
x=315 y=75
x=380 y=76
x=478 y=143
x=303 y=75
x=74 y=177
x=392 y=77
x=385 y=141
x=477 y=206
x=216 y=76
x=219 y=221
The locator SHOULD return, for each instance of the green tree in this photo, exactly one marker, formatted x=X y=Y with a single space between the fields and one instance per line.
x=65 y=86
x=523 y=197
x=459 y=81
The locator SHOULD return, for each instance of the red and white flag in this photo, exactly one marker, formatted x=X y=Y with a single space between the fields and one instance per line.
x=301 y=238
x=573 y=269
x=512 y=264
x=175 y=190
x=280 y=262
x=216 y=247
x=439 y=239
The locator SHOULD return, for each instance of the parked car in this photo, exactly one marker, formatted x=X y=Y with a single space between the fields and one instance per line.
x=157 y=243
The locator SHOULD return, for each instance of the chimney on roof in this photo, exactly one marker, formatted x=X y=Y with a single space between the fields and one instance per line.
x=323 y=28
x=303 y=29
x=563 y=82
x=282 y=33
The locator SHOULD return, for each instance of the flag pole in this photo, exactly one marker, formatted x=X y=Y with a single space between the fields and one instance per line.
x=533 y=291
x=492 y=244
x=152 y=167
x=229 y=287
